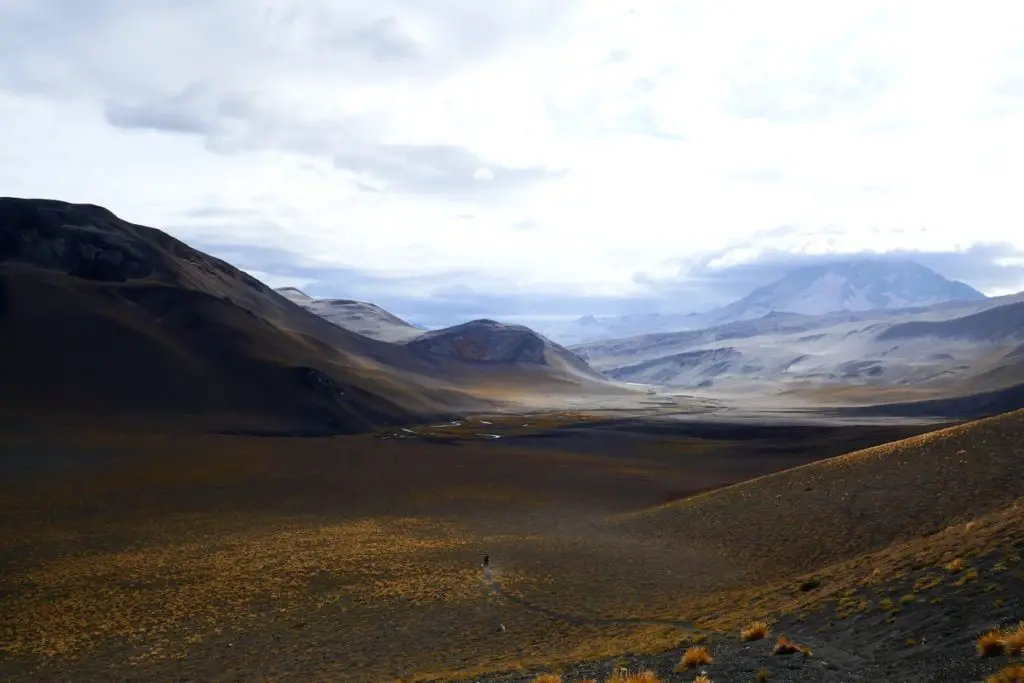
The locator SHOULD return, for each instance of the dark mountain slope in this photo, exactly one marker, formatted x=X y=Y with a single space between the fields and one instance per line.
x=101 y=319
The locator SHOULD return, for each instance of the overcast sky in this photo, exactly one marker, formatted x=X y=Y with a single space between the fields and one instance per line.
x=452 y=158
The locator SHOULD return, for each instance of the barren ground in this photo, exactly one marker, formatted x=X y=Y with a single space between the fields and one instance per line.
x=155 y=556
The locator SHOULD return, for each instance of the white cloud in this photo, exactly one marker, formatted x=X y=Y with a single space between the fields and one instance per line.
x=629 y=136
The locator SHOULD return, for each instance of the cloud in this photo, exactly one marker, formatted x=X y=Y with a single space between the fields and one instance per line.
x=555 y=157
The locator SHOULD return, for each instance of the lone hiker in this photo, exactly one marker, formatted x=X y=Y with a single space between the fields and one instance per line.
x=487 y=561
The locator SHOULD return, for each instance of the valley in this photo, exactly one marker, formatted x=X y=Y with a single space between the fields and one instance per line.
x=206 y=479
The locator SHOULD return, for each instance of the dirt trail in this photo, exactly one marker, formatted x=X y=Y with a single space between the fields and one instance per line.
x=576 y=620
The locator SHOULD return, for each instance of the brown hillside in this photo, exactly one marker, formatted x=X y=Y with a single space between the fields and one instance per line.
x=822 y=513
x=107 y=320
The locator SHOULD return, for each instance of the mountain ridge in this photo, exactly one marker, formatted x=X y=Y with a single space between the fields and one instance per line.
x=853 y=285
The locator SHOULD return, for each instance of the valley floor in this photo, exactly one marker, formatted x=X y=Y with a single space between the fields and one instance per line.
x=159 y=556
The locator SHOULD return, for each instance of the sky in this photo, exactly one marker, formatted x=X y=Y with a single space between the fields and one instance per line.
x=530 y=160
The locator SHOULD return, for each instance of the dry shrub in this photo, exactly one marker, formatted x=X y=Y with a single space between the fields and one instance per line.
x=755 y=630
x=694 y=656
x=785 y=646
x=1013 y=639
x=624 y=676
x=1014 y=673
x=990 y=644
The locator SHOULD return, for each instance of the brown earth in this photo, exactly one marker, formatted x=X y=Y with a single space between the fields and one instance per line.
x=160 y=556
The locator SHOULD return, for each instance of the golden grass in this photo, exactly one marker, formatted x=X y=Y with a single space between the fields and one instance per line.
x=624 y=676
x=785 y=646
x=755 y=630
x=703 y=678
x=1008 y=641
x=990 y=644
x=548 y=678
x=697 y=655
x=1013 y=673
x=1013 y=639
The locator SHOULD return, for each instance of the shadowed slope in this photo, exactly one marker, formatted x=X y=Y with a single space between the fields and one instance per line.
x=818 y=514
x=108 y=318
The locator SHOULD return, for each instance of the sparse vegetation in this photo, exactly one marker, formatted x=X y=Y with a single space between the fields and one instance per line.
x=755 y=630
x=1014 y=673
x=785 y=646
x=548 y=678
x=1013 y=639
x=624 y=676
x=990 y=644
x=693 y=657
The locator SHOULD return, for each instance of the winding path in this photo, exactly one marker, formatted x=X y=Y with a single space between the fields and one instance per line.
x=577 y=620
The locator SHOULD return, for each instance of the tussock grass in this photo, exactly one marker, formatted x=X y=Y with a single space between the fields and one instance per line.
x=990 y=644
x=1014 y=673
x=702 y=678
x=755 y=630
x=1013 y=639
x=785 y=646
x=693 y=657
x=624 y=676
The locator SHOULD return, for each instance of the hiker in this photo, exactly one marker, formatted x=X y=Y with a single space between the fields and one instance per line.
x=487 y=561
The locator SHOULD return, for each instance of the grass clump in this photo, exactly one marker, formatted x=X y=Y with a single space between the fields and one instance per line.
x=694 y=656
x=908 y=599
x=762 y=675
x=1014 y=673
x=786 y=646
x=702 y=678
x=990 y=644
x=624 y=676
x=956 y=566
x=1013 y=639
x=755 y=630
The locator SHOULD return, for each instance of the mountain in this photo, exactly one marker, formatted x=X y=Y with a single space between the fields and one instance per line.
x=859 y=285
x=855 y=285
x=947 y=349
x=493 y=342
x=363 y=318
x=594 y=328
x=104 y=321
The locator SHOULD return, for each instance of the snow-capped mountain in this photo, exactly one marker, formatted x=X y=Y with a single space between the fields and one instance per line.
x=860 y=285
x=363 y=318
x=856 y=285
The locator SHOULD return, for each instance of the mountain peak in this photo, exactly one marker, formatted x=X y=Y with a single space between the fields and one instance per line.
x=853 y=285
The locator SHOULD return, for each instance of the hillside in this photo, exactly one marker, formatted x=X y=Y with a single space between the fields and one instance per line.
x=112 y=321
x=774 y=527
x=361 y=317
x=487 y=341
x=940 y=351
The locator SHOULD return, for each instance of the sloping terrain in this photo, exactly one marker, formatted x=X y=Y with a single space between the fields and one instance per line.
x=941 y=351
x=363 y=318
x=850 y=286
x=108 y=320
x=488 y=341
x=898 y=491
